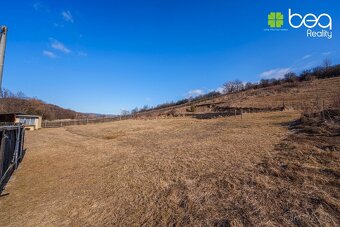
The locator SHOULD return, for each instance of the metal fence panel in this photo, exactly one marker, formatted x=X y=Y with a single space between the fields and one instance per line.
x=11 y=150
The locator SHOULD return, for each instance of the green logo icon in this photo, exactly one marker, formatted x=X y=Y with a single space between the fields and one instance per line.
x=275 y=19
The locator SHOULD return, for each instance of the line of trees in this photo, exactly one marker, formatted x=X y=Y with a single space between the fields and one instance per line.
x=323 y=72
x=5 y=93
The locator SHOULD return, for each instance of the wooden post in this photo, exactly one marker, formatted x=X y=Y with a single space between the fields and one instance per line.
x=323 y=109
x=241 y=114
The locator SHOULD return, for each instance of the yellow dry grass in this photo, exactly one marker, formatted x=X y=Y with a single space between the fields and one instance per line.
x=179 y=171
x=303 y=95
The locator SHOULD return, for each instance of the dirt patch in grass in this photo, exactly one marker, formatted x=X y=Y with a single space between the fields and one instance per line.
x=217 y=172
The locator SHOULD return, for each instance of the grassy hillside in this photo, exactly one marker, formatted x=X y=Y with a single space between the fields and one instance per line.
x=305 y=95
x=293 y=95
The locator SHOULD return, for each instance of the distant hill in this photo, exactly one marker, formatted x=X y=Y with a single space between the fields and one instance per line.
x=38 y=107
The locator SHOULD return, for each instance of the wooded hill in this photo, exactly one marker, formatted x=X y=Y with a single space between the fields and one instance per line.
x=37 y=107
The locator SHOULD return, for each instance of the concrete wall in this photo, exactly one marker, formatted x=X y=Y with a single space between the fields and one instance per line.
x=36 y=124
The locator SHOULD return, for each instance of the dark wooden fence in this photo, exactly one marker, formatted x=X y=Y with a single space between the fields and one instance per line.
x=11 y=150
x=215 y=110
x=218 y=111
x=233 y=111
x=58 y=124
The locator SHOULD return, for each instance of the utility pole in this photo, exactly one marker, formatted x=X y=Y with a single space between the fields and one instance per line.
x=3 y=34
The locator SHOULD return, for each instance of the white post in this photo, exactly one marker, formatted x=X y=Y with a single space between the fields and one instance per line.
x=3 y=34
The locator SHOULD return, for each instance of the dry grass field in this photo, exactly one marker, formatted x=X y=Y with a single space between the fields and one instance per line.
x=181 y=171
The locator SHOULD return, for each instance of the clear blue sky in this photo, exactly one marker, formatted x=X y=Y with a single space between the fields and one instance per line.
x=104 y=56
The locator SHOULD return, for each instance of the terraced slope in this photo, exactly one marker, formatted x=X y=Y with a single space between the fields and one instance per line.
x=299 y=96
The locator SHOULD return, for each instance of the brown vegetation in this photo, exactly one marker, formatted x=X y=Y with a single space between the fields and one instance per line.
x=37 y=107
x=307 y=91
x=306 y=96
x=181 y=171
x=305 y=167
x=236 y=86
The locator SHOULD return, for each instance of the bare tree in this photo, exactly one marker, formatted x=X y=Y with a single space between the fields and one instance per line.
x=327 y=62
x=290 y=77
x=7 y=93
x=249 y=85
x=233 y=86
x=125 y=112
x=135 y=110
x=238 y=85
x=21 y=95
x=144 y=108
x=264 y=82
